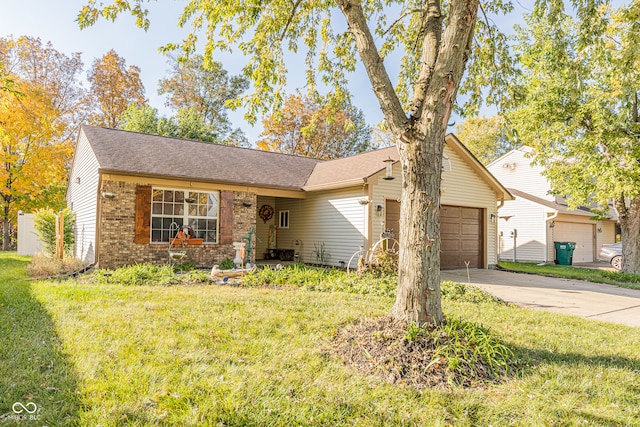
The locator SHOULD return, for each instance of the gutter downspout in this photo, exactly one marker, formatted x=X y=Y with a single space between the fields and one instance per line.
x=497 y=231
x=547 y=232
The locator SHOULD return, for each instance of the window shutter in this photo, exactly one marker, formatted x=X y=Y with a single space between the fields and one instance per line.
x=143 y=214
x=226 y=217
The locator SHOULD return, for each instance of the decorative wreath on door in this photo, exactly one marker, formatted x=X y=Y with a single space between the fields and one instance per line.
x=265 y=212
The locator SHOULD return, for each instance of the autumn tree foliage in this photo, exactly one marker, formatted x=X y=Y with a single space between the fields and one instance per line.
x=113 y=87
x=204 y=90
x=309 y=128
x=38 y=121
x=486 y=137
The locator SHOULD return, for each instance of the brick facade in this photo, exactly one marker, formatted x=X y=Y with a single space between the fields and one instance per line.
x=117 y=230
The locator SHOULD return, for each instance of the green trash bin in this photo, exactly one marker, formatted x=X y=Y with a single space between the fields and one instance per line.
x=564 y=252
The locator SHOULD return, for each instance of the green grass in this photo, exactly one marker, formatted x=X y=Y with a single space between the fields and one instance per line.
x=617 y=278
x=34 y=366
x=217 y=355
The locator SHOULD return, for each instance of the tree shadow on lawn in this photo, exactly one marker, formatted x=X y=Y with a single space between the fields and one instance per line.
x=536 y=357
x=38 y=384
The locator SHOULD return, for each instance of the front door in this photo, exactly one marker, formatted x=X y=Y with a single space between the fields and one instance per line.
x=392 y=219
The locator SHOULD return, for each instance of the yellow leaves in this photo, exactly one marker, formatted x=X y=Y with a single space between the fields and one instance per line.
x=307 y=128
x=114 y=86
x=35 y=124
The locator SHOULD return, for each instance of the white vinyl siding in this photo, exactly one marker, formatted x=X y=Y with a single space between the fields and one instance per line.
x=529 y=219
x=333 y=220
x=514 y=170
x=82 y=198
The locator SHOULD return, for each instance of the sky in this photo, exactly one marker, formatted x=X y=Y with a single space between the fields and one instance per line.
x=54 y=21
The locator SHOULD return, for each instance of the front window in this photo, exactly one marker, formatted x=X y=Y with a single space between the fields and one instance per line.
x=199 y=210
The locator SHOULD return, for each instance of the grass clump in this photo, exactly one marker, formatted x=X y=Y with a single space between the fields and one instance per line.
x=471 y=352
x=226 y=264
x=148 y=274
x=454 y=291
x=42 y=265
x=321 y=279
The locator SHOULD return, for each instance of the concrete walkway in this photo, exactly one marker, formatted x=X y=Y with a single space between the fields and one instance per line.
x=590 y=300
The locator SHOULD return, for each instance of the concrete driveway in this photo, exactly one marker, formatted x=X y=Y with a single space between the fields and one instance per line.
x=585 y=299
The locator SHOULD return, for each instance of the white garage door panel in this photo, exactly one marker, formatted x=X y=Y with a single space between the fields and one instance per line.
x=582 y=234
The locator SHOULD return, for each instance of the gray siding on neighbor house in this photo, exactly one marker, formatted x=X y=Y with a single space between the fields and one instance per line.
x=82 y=198
x=333 y=220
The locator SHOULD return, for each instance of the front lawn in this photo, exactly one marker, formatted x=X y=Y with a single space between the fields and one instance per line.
x=617 y=278
x=208 y=355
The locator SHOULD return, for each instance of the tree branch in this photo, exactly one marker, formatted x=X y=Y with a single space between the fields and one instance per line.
x=449 y=65
x=380 y=81
x=291 y=15
x=432 y=30
x=400 y=18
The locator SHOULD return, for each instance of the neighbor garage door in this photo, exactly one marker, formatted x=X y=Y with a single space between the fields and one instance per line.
x=461 y=237
x=582 y=234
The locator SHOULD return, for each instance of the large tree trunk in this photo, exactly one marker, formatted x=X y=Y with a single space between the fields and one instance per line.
x=418 y=297
x=420 y=139
x=629 y=216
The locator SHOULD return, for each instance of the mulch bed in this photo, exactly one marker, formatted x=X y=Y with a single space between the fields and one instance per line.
x=380 y=347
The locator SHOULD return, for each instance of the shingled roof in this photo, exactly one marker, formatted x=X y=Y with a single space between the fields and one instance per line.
x=349 y=169
x=119 y=151
x=139 y=154
x=581 y=211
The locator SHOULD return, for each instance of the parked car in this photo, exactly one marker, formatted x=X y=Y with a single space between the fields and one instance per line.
x=612 y=254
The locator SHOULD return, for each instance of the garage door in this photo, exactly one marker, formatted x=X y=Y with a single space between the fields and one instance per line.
x=461 y=237
x=582 y=234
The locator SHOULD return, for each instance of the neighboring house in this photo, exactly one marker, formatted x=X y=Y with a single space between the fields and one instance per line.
x=127 y=188
x=536 y=219
x=28 y=241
